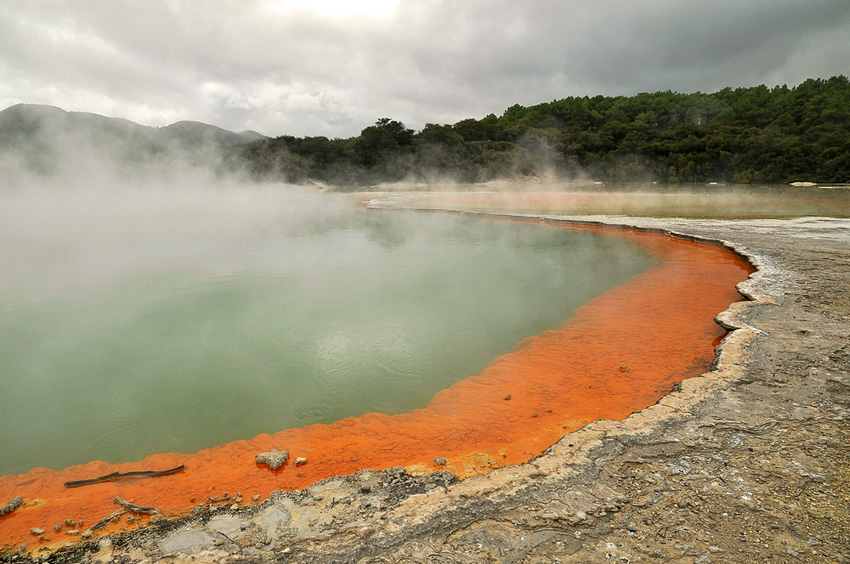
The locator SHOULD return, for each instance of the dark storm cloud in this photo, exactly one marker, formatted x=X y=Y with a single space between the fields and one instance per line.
x=245 y=65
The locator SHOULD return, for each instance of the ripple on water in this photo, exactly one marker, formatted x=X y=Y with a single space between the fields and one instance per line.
x=315 y=413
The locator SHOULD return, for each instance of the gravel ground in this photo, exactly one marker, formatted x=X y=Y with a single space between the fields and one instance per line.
x=749 y=463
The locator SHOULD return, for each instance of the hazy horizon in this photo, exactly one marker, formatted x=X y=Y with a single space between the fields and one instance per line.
x=329 y=68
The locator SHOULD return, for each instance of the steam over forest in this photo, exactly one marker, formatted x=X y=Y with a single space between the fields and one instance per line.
x=744 y=135
x=741 y=135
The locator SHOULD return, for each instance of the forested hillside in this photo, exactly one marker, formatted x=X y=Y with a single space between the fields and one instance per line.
x=742 y=135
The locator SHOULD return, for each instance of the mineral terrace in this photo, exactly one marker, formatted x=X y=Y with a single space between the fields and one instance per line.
x=748 y=463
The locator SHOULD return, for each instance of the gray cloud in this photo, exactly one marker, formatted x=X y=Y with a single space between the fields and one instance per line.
x=243 y=65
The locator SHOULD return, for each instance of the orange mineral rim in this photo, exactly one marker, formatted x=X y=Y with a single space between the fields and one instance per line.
x=618 y=354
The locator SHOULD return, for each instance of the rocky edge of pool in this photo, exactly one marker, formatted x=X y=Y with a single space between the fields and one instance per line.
x=748 y=463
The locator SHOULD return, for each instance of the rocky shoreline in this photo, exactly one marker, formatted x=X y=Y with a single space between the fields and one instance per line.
x=748 y=463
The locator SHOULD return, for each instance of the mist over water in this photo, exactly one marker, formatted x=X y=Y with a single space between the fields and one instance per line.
x=154 y=318
x=555 y=197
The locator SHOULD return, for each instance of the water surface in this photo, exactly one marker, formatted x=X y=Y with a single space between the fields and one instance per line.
x=141 y=321
x=656 y=200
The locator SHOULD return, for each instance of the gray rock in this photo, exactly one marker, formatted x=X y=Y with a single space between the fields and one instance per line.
x=274 y=519
x=274 y=459
x=16 y=502
x=230 y=525
x=187 y=541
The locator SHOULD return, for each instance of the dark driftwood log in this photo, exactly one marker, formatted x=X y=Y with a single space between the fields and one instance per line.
x=133 y=507
x=108 y=519
x=125 y=476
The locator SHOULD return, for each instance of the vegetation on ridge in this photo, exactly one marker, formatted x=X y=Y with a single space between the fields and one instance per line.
x=742 y=135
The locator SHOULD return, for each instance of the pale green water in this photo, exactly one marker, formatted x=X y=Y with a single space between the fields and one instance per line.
x=149 y=321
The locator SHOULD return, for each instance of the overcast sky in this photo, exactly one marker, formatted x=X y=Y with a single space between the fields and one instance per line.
x=332 y=67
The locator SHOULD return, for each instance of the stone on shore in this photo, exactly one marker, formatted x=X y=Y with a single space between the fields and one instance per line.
x=274 y=459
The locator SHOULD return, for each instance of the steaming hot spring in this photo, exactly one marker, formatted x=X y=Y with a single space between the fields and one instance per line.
x=148 y=329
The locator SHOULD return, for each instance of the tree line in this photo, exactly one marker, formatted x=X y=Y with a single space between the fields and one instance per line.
x=741 y=135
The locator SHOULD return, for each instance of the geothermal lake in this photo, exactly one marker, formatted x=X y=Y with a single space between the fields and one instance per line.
x=135 y=321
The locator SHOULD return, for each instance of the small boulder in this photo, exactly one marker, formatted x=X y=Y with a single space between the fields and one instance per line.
x=274 y=459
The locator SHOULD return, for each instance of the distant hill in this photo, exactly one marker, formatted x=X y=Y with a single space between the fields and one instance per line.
x=47 y=140
x=190 y=134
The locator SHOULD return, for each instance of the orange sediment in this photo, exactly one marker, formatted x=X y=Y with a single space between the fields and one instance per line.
x=619 y=353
